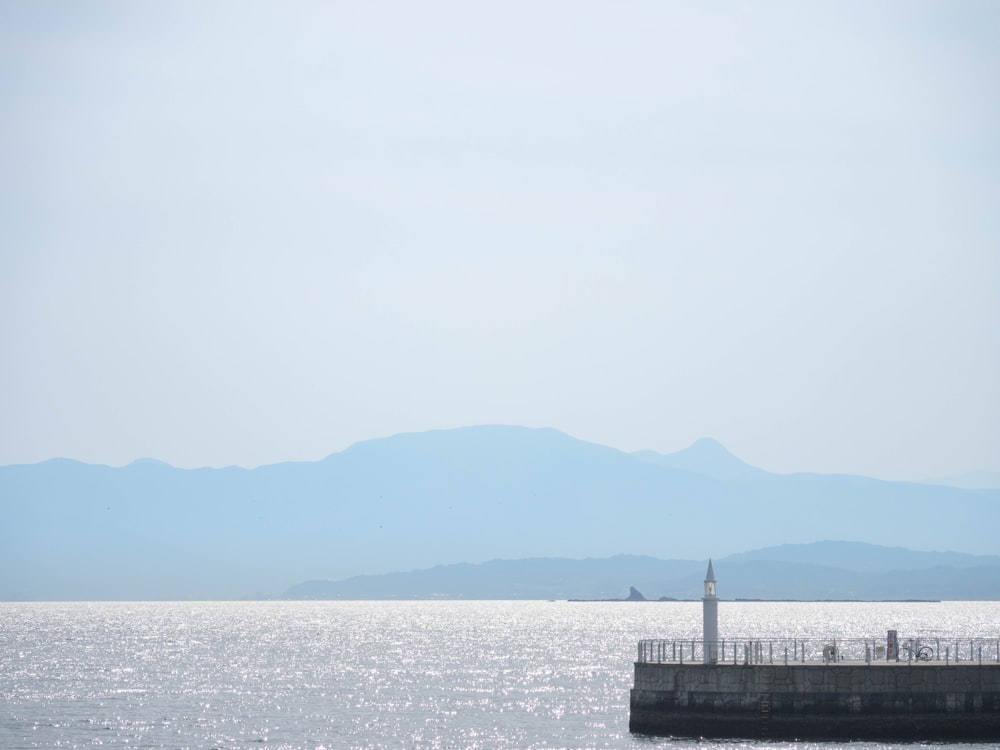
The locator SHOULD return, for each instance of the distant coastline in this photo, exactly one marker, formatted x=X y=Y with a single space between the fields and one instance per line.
x=841 y=601
x=774 y=601
x=819 y=572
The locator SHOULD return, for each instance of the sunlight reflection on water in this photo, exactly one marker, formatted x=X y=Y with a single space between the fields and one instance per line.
x=377 y=674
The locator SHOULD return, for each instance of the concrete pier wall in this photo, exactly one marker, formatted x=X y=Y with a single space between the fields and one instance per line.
x=818 y=701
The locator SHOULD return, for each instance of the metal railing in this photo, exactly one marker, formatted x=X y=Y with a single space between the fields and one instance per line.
x=820 y=650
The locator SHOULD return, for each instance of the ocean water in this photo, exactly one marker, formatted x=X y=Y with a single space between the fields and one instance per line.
x=429 y=674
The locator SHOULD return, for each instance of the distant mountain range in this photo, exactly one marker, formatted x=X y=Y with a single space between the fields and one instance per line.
x=818 y=571
x=415 y=501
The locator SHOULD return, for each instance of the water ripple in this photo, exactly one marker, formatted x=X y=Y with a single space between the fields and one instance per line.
x=375 y=674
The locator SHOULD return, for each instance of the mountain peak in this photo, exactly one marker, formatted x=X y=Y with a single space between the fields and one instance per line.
x=708 y=447
x=150 y=462
x=705 y=456
x=476 y=442
x=708 y=442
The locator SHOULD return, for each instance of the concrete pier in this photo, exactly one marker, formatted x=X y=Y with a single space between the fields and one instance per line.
x=836 y=700
x=917 y=688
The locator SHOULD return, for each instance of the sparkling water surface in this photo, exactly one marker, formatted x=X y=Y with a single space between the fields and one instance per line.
x=429 y=674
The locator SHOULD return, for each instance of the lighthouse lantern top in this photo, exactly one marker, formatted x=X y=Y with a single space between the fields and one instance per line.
x=710 y=581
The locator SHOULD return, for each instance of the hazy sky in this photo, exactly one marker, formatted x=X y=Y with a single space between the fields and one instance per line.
x=244 y=233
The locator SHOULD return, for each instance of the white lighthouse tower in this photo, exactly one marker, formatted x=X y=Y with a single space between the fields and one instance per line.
x=710 y=618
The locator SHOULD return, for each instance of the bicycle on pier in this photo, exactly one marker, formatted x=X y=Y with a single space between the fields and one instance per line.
x=915 y=652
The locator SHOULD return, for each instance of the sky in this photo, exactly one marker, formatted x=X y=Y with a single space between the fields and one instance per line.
x=253 y=232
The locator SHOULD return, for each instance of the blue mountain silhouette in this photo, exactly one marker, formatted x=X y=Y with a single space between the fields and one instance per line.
x=413 y=501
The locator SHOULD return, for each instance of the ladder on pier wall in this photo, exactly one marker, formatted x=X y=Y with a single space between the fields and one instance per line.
x=766 y=687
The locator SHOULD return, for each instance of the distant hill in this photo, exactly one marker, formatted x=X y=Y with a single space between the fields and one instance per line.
x=537 y=578
x=705 y=456
x=856 y=556
x=415 y=501
x=805 y=571
x=973 y=480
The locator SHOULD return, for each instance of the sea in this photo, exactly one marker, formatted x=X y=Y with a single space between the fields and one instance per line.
x=383 y=674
